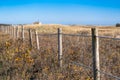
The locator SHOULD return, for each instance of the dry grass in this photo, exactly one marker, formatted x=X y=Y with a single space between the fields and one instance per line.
x=18 y=61
x=52 y=28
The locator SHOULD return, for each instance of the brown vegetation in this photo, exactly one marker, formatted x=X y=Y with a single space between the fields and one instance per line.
x=19 y=61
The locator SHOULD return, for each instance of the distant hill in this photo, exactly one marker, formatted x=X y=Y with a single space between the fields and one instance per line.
x=5 y=24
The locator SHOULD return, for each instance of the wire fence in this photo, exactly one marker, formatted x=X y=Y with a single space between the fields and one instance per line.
x=109 y=56
x=77 y=54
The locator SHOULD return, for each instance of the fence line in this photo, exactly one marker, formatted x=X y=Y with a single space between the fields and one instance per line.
x=82 y=65
x=77 y=35
x=108 y=37
x=47 y=34
x=88 y=67
x=108 y=74
x=14 y=32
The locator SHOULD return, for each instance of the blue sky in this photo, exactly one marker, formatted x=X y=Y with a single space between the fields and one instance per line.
x=98 y=12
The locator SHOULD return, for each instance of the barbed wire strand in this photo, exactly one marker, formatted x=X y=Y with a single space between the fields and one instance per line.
x=88 y=67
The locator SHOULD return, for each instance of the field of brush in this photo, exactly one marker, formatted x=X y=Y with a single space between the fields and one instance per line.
x=18 y=61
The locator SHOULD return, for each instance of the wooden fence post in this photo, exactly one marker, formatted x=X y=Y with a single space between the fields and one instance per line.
x=30 y=37
x=7 y=29
x=14 y=31
x=95 y=53
x=37 y=40
x=60 y=47
x=2 y=28
x=17 y=32
x=23 y=33
x=11 y=30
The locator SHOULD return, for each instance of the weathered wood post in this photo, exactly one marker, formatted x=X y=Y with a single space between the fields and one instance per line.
x=30 y=37
x=23 y=37
x=95 y=53
x=11 y=30
x=7 y=30
x=17 y=32
x=2 y=28
x=60 y=47
x=14 y=31
x=37 y=40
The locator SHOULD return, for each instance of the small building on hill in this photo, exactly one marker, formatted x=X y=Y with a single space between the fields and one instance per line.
x=37 y=22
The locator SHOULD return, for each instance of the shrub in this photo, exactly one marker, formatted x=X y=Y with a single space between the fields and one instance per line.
x=118 y=25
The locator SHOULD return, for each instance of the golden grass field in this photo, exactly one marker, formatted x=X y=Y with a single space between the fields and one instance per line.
x=52 y=28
